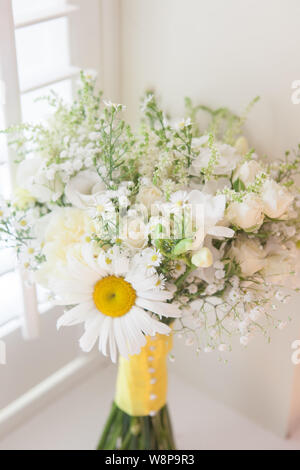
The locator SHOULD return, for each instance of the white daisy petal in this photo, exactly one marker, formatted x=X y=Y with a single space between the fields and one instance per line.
x=112 y=344
x=160 y=308
x=88 y=340
x=77 y=315
x=80 y=287
x=88 y=256
x=72 y=298
x=121 y=265
x=148 y=325
x=105 y=263
x=121 y=338
x=104 y=335
x=142 y=323
x=140 y=282
x=78 y=271
x=136 y=339
x=161 y=295
x=133 y=325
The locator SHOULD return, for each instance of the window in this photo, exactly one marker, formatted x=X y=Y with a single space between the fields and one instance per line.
x=39 y=50
x=43 y=47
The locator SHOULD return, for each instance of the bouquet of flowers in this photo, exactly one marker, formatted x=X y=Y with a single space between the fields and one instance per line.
x=170 y=229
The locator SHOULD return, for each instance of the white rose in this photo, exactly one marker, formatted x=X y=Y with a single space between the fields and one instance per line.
x=249 y=254
x=279 y=268
x=248 y=172
x=227 y=161
x=82 y=190
x=148 y=195
x=134 y=232
x=212 y=187
x=276 y=199
x=31 y=176
x=247 y=215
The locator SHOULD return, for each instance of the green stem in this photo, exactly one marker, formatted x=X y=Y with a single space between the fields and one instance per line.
x=125 y=432
x=184 y=276
x=108 y=425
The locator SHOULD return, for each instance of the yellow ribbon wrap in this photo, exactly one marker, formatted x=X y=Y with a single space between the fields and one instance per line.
x=142 y=379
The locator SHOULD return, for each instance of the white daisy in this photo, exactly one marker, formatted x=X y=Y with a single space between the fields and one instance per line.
x=115 y=298
x=179 y=200
x=151 y=258
x=161 y=282
x=179 y=269
x=102 y=205
x=5 y=212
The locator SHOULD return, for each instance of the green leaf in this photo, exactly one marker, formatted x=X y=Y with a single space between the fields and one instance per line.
x=183 y=246
x=239 y=186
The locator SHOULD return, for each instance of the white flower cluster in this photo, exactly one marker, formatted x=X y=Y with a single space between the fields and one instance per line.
x=132 y=232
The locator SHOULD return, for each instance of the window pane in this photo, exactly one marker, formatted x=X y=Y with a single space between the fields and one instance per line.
x=42 y=51
x=5 y=181
x=35 y=111
x=11 y=297
x=21 y=7
x=3 y=149
x=7 y=260
x=3 y=140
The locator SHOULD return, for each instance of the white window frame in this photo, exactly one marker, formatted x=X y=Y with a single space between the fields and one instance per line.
x=39 y=369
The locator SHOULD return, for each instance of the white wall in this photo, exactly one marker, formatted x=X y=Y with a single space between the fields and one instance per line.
x=225 y=53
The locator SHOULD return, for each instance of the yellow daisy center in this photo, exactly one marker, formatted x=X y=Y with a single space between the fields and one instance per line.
x=113 y=296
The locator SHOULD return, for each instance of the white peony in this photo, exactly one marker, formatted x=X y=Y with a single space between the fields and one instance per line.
x=81 y=191
x=31 y=176
x=61 y=232
x=23 y=199
x=248 y=172
x=247 y=215
x=227 y=161
x=276 y=199
x=249 y=254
